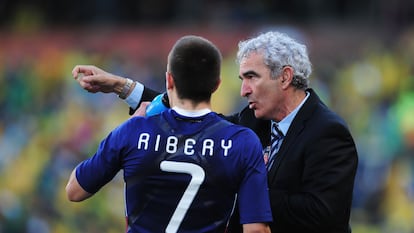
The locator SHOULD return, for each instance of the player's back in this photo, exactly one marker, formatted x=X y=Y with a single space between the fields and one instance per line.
x=183 y=173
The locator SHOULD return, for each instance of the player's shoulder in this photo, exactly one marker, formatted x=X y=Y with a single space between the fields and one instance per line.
x=237 y=129
x=140 y=122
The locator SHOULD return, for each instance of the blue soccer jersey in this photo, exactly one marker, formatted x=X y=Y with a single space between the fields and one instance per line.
x=182 y=174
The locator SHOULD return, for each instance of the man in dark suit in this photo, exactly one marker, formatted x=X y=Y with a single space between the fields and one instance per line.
x=312 y=165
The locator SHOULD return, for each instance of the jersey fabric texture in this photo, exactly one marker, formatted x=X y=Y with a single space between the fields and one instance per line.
x=182 y=174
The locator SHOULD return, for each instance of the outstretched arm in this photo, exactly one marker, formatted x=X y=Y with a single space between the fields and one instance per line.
x=94 y=79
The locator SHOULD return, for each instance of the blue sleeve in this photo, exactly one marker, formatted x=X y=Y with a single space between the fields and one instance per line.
x=96 y=171
x=253 y=197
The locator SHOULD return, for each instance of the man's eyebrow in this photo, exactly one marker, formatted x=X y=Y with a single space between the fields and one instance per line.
x=250 y=73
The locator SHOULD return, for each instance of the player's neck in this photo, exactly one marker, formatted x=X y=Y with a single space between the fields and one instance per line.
x=189 y=105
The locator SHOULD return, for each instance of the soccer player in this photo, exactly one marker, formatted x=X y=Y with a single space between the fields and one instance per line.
x=183 y=168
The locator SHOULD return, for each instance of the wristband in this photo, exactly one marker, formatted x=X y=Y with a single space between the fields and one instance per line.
x=126 y=89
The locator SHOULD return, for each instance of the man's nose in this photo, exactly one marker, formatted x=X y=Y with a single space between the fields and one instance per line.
x=244 y=89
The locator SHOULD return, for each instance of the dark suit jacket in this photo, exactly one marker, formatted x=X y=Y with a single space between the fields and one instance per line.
x=312 y=179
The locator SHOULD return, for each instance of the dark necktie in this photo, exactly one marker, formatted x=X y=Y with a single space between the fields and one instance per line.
x=276 y=137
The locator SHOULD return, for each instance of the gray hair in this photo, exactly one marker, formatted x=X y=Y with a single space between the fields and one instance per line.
x=279 y=50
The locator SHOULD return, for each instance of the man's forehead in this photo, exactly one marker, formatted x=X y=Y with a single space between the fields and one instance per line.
x=252 y=60
x=258 y=54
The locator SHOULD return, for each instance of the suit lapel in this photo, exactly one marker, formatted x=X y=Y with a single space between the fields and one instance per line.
x=295 y=129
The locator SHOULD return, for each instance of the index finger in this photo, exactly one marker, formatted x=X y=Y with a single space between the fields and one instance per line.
x=84 y=69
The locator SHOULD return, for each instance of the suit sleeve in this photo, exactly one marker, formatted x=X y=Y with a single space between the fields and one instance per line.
x=147 y=95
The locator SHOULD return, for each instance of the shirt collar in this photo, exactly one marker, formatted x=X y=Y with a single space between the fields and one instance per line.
x=188 y=113
x=285 y=123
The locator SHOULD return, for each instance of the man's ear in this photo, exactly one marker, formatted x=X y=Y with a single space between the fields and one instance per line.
x=217 y=86
x=169 y=80
x=287 y=76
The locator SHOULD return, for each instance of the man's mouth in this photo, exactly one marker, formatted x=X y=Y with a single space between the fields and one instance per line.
x=252 y=105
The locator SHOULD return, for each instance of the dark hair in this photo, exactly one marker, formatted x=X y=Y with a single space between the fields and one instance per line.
x=195 y=63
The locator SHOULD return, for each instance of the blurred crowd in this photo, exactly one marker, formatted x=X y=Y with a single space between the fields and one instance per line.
x=48 y=123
